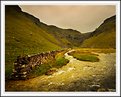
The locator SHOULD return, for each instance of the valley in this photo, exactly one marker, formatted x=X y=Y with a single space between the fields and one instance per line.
x=75 y=75
x=58 y=59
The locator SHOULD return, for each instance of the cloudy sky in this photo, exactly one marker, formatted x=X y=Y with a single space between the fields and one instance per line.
x=84 y=18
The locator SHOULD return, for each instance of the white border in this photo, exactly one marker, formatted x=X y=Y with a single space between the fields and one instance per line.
x=60 y=2
x=117 y=3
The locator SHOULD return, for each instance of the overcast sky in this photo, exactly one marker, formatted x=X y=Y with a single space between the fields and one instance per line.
x=84 y=18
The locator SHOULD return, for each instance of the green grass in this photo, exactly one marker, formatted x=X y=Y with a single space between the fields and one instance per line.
x=60 y=60
x=90 y=58
x=88 y=54
x=23 y=36
x=103 y=40
x=106 y=37
x=96 y=50
x=51 y=65
x=85 y=56
x=40 y=70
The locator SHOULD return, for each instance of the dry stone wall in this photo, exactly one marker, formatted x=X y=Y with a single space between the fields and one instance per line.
x=24 y=64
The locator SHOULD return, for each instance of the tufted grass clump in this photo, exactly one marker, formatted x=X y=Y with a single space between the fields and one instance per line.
x=47 y=68
x=85 y=56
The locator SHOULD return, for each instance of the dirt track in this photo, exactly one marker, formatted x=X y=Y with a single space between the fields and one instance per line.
x=75 y=76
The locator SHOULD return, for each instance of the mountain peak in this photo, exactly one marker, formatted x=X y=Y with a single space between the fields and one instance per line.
x=12 y=7
x=112 y=18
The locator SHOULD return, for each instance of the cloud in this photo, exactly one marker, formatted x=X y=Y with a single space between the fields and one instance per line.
x=84 y=18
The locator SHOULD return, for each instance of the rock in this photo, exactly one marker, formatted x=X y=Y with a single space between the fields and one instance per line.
x=23 y=66
x=62 y=84
x=16 y=76
x=26 y=63
x=51 y=71
x=23 y=76
x=71 y=68
x=15 y=64
x=94 y=87
x=112 y=90
x=101 y=90
x=94 y=75
x=23 y=73
x=14 y=71
x=60 y=72
x=50 y=83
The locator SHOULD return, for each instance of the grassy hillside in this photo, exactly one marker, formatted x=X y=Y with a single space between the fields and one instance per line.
x=66 y=37
x=104 y=36
x=23 y=36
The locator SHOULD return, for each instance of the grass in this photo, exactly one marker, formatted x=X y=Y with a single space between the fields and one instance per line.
x=52 y=65
x=96 y=50
x=106 y=38
x=85 y=56
x=90 y=58
x=40 y=70
x=103 y=40
x=60 y=60
x=88 y=54
x=23 y=36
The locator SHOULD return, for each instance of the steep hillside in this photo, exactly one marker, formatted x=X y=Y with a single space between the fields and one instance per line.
x=25 y=34
x=104 y=36
x=65 y=37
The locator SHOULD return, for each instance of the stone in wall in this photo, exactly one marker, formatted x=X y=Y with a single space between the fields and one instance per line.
x=25 y=64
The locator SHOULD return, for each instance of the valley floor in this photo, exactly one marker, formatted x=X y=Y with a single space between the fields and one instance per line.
x=75 y=76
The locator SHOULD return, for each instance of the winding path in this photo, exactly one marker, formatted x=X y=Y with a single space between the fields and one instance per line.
x=75 y=76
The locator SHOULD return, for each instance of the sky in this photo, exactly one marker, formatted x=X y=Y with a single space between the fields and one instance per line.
x=83 y=18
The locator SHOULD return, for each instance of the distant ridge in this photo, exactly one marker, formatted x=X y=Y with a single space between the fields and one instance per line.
x=104 y=36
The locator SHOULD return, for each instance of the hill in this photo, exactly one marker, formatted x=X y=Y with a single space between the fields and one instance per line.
x=25 y=34
x=65 y=37
x=104 y=36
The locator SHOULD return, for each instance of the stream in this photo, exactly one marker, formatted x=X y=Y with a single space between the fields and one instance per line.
x=75 y=76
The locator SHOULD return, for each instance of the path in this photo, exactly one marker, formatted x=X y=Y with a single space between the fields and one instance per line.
x=75 y=76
